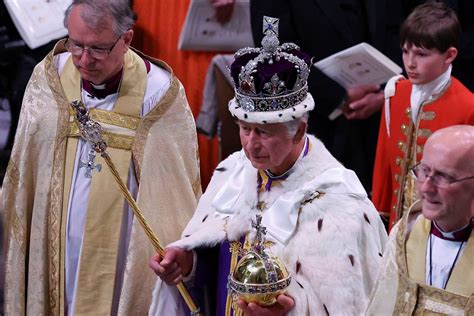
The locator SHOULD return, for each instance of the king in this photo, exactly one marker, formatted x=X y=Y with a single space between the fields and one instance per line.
x=319 y=221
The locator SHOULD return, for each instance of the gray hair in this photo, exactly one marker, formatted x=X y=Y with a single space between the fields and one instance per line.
x=95 y=11
x=292 y=126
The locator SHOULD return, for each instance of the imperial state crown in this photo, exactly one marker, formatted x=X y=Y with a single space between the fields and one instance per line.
x=270 y=81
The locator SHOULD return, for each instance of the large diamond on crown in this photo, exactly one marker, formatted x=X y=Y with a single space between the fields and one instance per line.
x=247 y=104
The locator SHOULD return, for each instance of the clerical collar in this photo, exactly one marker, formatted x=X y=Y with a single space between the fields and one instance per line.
x=461 y=234
x=110 y=86
x=266 y=179
x=422 y=93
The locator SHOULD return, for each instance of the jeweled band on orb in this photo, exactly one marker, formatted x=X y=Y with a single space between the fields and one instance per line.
x=248 y=288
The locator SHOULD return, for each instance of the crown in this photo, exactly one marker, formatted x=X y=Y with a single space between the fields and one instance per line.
x=270 y=81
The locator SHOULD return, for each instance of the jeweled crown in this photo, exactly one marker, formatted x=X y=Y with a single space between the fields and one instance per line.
x=271 y=78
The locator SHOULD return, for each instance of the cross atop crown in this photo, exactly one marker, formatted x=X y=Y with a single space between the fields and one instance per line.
x=270 y=25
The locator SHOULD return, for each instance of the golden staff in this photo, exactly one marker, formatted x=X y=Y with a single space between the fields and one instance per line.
x=91 y=131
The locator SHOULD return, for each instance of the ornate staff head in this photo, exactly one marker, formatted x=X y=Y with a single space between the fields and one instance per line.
x=91 y=131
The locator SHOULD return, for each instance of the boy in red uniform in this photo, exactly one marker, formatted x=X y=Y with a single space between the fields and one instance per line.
x=428 y=100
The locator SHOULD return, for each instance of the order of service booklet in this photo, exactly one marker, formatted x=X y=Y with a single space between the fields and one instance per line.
x=202 y=32
x=356 y=65
x=359 y=64
x=38 y=21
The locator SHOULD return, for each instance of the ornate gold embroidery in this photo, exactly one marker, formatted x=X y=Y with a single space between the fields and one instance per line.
x=235 y=249
x=112 y=118
x=154 y=115
x=398 y=161
x=408 y=112
x=420 y=299
x=197 y=187
x=414 y=298
x=427 y=116
x=402 y=146
x=404 y=129
x=12 y=174
x=19 y=232
x=55 y=213
x=419 y=149
x=424 y=132
x=268 y=243
x=122 y=120
x=113 y=140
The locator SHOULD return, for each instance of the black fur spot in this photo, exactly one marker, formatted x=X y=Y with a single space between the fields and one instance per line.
x=320 y=224
x=245 y=115
x=326 y=309
x=300 y=284
x=380 y=254
x=294 y=110
x=204 y=219
x=351 y=258
x=187 y=235
x=366 y=218
x=221 y=169
x=280 y=115
x=294 y=117
x=305 y=106
x=298 y=266
x=264 y=122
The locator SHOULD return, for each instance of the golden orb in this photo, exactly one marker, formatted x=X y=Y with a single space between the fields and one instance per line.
x=259 y=277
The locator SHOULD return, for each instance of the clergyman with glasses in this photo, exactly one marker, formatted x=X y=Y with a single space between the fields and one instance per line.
x=428 y=262
x=72 y=243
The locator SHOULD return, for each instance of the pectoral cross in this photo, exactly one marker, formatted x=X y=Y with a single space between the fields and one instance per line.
x=90 y=164
x=270 y=25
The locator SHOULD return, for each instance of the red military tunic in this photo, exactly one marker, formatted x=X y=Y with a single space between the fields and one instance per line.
x=403 y=147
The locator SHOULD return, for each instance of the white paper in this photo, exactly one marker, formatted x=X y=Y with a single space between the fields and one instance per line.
x=38 y=21
x=359 y=64
x=202 y=32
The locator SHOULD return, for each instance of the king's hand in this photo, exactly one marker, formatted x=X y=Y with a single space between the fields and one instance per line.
x=284 y=304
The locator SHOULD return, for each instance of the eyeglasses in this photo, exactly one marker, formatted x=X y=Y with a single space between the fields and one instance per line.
x=422 y=172
x=96 y=53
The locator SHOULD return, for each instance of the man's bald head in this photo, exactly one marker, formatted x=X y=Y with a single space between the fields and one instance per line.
x=457 y=140
x=446 y=186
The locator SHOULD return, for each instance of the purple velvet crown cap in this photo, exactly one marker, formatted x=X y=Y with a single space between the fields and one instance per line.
x=285 y=70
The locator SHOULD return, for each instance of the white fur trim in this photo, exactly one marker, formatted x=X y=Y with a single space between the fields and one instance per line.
x=281 y=116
